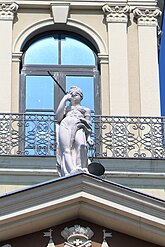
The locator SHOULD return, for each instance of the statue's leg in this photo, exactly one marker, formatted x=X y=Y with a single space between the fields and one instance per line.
x=81 y=149
x=67 y=165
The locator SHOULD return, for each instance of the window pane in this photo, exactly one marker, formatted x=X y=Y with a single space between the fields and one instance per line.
x=86 y=83
x=44 y=51
x=39 y=92
x=74 y=52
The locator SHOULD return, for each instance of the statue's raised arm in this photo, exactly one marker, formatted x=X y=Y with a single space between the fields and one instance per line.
x=73 y=133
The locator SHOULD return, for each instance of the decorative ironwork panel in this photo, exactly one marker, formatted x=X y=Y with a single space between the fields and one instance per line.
x=27 y=134
x=129 y=137
x=115 y=137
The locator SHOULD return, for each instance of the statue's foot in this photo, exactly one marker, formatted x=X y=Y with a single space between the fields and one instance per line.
x=85 y=170
x=74 y=171
x=79 y=170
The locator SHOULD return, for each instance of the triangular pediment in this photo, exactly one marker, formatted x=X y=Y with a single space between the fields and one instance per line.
x=82 y=196
x=76 y=233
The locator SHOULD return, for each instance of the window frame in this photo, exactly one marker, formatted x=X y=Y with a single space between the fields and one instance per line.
x=60 y=72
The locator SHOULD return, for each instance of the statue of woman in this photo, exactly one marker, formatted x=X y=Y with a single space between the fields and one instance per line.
x=73 y=133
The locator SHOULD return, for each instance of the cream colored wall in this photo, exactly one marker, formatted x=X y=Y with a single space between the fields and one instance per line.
x=128 y=79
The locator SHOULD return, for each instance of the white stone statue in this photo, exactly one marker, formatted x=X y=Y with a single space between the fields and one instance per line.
x=73 y=133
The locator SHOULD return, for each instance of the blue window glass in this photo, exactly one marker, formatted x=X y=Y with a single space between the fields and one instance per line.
x=74 y=52
x=52 y=52
x=59 y=49
x=39 y=93
x=86 y=83
x=44 y=51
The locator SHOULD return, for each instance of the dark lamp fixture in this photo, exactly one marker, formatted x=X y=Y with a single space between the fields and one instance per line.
x=96 y=168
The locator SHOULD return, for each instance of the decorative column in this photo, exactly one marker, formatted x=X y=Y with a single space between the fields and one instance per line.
x=148 y=60
x=7 y=12
x=104 y=63
x=16 y=60
x=117 y=19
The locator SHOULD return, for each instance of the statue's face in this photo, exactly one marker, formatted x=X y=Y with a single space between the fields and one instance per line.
x=76 y=98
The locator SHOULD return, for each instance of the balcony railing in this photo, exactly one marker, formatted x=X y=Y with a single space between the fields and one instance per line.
x=114 y=137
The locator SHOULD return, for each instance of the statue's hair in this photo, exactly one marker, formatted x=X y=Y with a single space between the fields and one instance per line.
x=75 y=89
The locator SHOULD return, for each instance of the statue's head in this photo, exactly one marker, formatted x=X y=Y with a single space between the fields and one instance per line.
x=76 y=90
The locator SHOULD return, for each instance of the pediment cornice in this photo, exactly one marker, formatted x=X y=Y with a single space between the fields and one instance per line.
x=82 y=196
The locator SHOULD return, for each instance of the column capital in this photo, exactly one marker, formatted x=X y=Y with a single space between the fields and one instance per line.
x=8 y=10
x=147 y=16
x=116 y=13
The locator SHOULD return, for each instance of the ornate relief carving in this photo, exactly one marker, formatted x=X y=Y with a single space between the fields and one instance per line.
x=8 y=10
x=77 y=236
x=116 y=13
x=147 y=16
x=49 y=234
x=106 y=235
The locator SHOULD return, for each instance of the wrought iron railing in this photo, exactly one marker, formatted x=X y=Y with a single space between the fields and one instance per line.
x=115 y=137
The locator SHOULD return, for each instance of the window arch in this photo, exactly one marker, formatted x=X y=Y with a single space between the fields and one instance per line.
x=70 y=58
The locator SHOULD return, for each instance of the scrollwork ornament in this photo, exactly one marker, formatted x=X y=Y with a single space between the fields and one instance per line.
x=147 y=16
x=8 y=10
x=116 y=13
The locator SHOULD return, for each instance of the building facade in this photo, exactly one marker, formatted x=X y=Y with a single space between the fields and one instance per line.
x=110 y=49
x=127 y=81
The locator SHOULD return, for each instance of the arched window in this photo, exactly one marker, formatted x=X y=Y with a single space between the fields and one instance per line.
x=70 y=59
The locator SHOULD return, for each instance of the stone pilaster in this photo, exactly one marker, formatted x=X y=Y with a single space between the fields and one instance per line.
x=16 y=59
x=116 y=18
x=7 y=13
x=103 y=60
x=146 y=19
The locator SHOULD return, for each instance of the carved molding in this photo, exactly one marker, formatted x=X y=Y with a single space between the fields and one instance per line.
x=8 y=11
x=16 y=56
x=116 y=13
x=103 y=58
x=146 y=16
x=60 y=12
